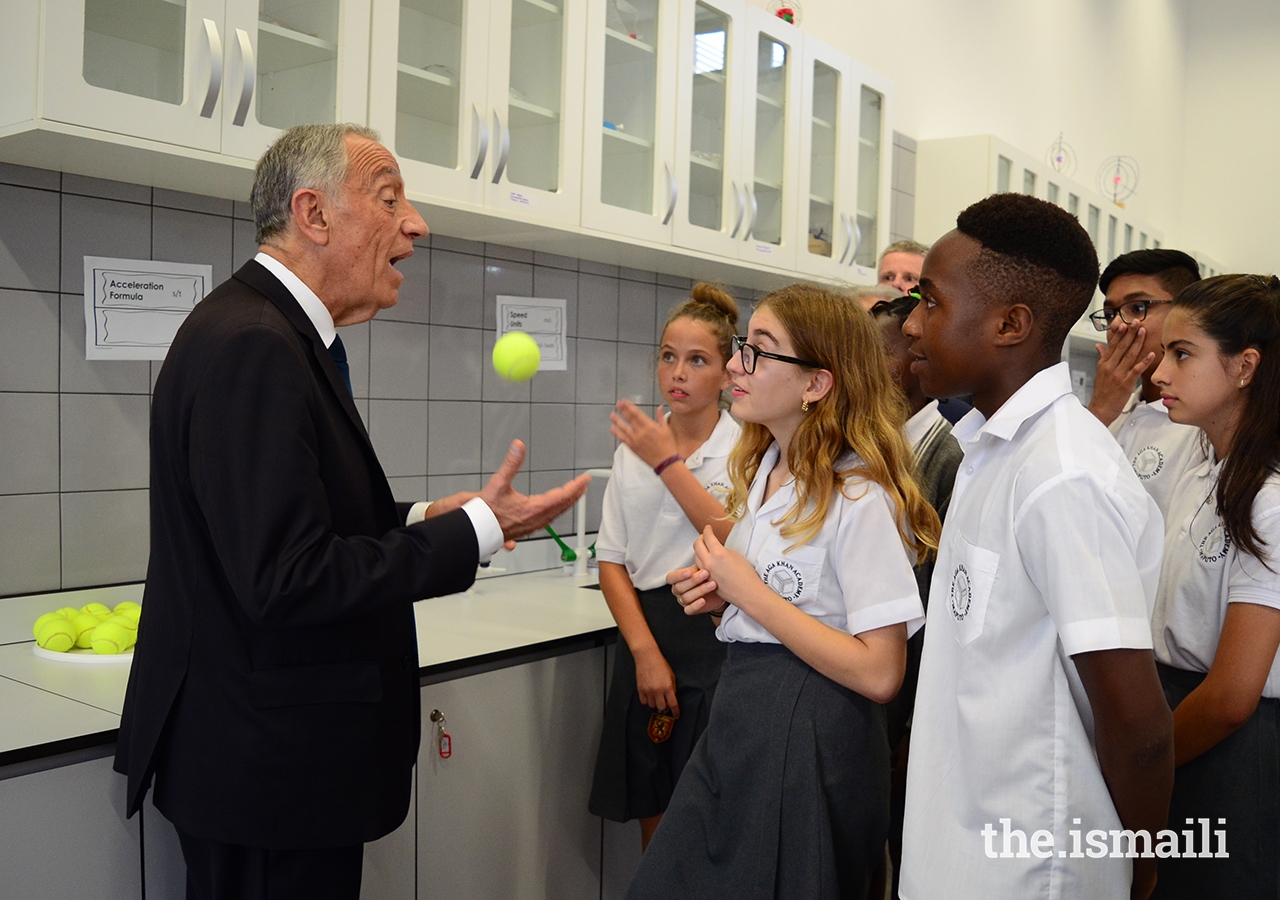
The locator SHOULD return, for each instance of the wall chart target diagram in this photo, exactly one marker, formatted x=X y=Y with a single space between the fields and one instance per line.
x=1118 y=178
x=1061 y=157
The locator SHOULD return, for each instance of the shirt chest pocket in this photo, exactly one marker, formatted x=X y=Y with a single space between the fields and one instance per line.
x=795 y=575
x=972 y=576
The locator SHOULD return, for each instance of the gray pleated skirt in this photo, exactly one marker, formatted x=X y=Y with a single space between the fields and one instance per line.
x=1237 y=780
x=636 y=775
x=786 y=794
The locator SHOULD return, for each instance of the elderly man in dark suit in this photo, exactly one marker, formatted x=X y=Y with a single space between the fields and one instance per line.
x=274 y=691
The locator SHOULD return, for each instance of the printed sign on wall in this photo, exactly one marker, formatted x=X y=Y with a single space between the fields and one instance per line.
x=133 y=307
x=541 y=319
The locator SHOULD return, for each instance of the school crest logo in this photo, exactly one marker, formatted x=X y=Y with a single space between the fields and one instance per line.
x=961 y=593
x=1148 y=463
x=1214 y=545
x=719 y=489
x=660 y=727
x=784 y=579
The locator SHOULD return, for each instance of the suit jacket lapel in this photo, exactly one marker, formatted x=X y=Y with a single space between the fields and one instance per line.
x=260 y=279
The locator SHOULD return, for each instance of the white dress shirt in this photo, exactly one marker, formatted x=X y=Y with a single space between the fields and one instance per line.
x=642 y=526
x=1050 y=548
x=1158 y=449
x=1203 y=572
x=488 y=531
x=855 y=575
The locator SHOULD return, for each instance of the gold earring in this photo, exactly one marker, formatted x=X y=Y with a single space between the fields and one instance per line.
x=1241 y=382
x=804 y=404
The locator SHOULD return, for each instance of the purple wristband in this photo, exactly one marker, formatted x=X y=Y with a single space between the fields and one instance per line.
x=662 y=466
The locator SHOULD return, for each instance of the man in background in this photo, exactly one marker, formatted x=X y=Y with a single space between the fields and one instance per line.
x=274 y=691
x=900 y=265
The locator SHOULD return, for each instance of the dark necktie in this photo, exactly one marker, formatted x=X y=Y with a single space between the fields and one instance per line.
x=339 y=354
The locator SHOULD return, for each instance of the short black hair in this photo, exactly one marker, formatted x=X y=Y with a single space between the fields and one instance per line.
x=1172 y=268
x=899 y=308
x=1035 y=253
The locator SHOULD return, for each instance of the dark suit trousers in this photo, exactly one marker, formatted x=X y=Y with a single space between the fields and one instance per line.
x=218 y=871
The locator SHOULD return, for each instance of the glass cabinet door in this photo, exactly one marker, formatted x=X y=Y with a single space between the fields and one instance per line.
x=297 y=62
x=535 y=96
x=768 y=175
x=429 y=81
x=826 y=232
x=136 y=47
x=709 y=119
x=870 y=140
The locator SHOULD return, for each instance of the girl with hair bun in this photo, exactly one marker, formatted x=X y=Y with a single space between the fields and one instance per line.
x=787 y=792
x=1217 y=614
x=668 y=483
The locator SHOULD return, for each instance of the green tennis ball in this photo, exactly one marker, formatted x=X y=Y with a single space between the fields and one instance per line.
x=130 y=614
x=127 y=604
x=112 y=637
x=84 y=623
x=69 y=611
x=123 y=621
x=57 y=634
x=516 y=356
x=98 y=609
x=47 y=617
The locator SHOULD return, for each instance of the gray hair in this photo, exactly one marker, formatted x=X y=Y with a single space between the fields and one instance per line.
x=905 y=247
x=305 y=156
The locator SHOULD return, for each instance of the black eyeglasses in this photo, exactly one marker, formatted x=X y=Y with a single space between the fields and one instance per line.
x=1130 y=313
x=750 y=353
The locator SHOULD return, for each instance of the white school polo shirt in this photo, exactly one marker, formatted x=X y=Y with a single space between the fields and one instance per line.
x=855 y=575
x=1203 y=572
x=1158 y=449
x=642 y=526
x=1050 y=548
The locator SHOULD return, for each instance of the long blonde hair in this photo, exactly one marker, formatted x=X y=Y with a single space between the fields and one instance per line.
x=864 y=411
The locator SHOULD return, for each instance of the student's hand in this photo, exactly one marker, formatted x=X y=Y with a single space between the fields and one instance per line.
x=519 y=514
x=656 y=682
x=649 y=439
x=735 y=578
x=1120 y=365
x=695 y=591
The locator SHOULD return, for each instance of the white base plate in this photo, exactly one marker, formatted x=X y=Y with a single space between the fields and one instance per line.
x=86 y=657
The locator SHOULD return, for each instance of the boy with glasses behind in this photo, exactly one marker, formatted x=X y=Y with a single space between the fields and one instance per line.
x=1139 y=288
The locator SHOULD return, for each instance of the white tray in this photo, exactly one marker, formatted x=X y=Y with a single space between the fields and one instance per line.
x=85 y=657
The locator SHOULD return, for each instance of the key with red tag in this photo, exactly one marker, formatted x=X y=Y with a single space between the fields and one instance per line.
x=444 y=741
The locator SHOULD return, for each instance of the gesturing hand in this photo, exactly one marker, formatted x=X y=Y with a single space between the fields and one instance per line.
x=649 y=439
x=1120 y=365
x=519 y=514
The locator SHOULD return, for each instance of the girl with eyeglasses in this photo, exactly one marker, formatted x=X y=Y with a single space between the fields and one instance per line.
x=668 y=483
x=1217 y=613
x=787 y=792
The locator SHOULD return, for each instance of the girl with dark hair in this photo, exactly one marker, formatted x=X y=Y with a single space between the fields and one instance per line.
x=1217 y=614
x=787 y=792
x=668 y=483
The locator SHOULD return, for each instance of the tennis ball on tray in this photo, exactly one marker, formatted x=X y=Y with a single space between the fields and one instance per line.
x=111 y=637
x=127 y=605
x=84 y=623
x=98 y=609
x=516 y=356
x=57 y=634
x=69 y=611
x=47 y=617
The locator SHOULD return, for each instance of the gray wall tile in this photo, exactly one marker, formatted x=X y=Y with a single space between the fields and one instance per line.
x=85 y=376
x=550 y=437
x=559 y=284
x=540 y=483
x=558 y=386
x=25 y=176
x=511 y=279
x=28 y=443
x=636 y=373
x=104 y=442
x=593 y=444
x=29 y=239
x=192 y=202
x=458 y=245
x=28 y=341
x=457 y=289
x=675 y=281
x=29 y=543
x=441 y=486
x=637 y=275
x=398 y=360
x=597 y=307
x=355 y=340
x=408 y=490
x=668 y=299
x=637 y=312
x=502 y=423
x=96 y=227
x=398 y=429
x=555 y=261
x=598 y=268
x=191 y=237
x=243 y=246
x=454 y=442
x=597 y=371
x=105 y=538
x=457 y=363
x=242 y=210
x=414 y=303
x=512 y=254
x=108 y=190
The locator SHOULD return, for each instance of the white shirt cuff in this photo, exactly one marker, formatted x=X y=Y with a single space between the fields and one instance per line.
x=417 y=512
x=488 y=531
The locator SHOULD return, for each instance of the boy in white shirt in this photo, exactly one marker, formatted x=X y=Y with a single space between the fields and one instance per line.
x=1139 y=288
x=1039 y=719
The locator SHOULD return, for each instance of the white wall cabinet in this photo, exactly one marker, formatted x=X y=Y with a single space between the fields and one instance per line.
x=224 y=76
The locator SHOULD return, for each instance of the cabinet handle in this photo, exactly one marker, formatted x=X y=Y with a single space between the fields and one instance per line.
x=214 y=43
x=857 y=239
x=673 y=191
x=501 y=136
x=250 y=68
x=741 y=204
x=848 y=238
x=480 y=138
x=755 y=211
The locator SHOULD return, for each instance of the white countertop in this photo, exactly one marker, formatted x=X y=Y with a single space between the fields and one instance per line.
x=46 y=702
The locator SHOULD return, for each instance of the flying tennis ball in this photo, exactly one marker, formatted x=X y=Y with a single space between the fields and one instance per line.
x=98 y=609
x=516 y=356
x=57 y=634
x=84 y=623
x=112 y=637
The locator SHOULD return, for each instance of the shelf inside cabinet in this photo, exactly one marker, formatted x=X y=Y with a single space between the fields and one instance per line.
x=285 y=48
x=533 y=12
x=716 y=165
x=825 y=201
x=823 y=123
x=717 y=77
x=628 y=138
x=768 y=101
x=767 y=183
x=414 y=72
x=525 y=113
x=630 y=41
